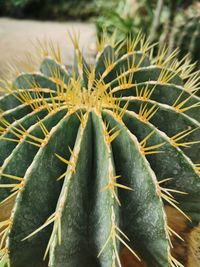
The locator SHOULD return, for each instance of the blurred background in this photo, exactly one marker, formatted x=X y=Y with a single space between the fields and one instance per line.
x=171 y=23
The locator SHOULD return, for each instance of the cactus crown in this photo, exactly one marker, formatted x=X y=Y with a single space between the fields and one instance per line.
x=92 y=159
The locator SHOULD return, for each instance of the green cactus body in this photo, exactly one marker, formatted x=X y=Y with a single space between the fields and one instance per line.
x=91 y=159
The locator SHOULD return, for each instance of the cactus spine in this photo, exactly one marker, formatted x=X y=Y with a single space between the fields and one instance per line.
x=92 y=160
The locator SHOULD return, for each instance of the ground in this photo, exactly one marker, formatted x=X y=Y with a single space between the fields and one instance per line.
x=17 y=37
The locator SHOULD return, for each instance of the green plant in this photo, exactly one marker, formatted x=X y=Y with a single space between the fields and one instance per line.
x=124 y=16
x=60 y=10
x=187 y=34
x=91 y=160
x=173 y=23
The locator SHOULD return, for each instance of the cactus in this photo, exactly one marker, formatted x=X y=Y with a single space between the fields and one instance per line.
x=101 y=163
x=188 y=37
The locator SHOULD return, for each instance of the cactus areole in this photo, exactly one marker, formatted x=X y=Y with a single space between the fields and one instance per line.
x=99 y=165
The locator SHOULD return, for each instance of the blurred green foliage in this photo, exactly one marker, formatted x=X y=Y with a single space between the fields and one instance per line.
x=172 y=23
x=19 y=2
x=132 y=15
x=49 y=9
x=126 y=17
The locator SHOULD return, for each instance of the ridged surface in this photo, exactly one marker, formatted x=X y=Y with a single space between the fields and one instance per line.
x=91 y=159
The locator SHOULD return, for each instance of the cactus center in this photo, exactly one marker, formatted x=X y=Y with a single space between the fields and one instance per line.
x=74 y=96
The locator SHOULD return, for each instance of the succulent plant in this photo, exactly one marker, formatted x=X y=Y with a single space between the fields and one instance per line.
x=92 y=159
x=187 y=37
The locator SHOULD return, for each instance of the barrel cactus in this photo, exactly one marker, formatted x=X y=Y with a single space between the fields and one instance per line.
x=99 y=165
